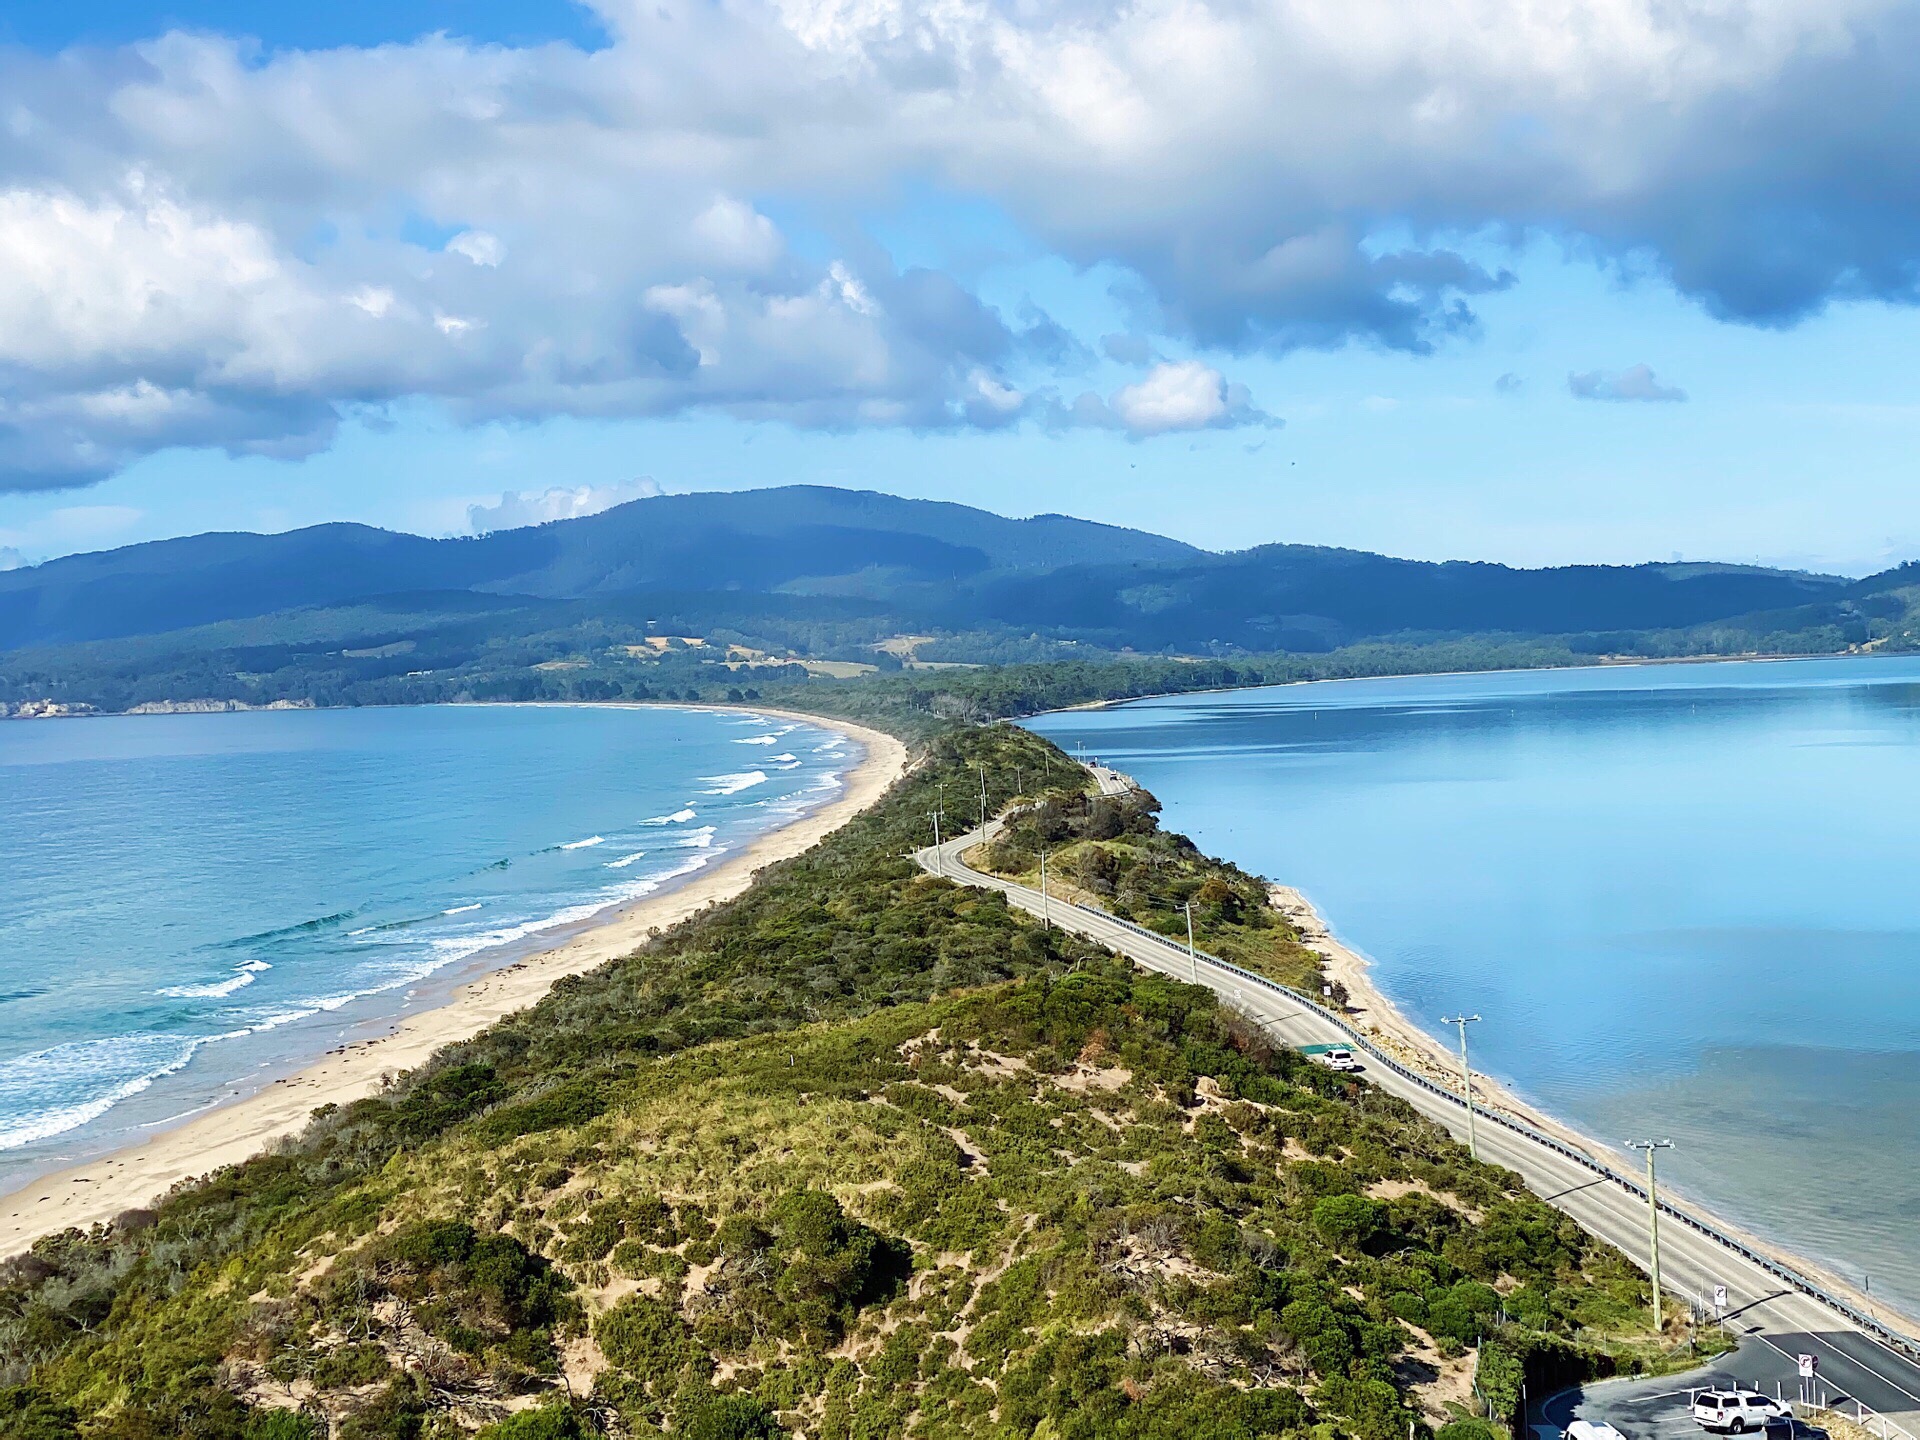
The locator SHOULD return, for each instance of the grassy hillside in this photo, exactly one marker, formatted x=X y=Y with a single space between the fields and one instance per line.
x=860 y=1154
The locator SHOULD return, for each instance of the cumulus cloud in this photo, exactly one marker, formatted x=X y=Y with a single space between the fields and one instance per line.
x=518 y=508
x=10 y=558
x=1636 y=382
x=1509 y=384
x=202 y=247
x=1173 y=396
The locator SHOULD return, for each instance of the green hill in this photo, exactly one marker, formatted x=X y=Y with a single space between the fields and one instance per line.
x=822 y=571
x=858 y=1154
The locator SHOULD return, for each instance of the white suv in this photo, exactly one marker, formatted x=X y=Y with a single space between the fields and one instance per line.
x=1737 y=1411
x=1339 y=1058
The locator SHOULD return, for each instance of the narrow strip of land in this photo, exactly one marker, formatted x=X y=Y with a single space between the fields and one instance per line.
x=1783 y=1323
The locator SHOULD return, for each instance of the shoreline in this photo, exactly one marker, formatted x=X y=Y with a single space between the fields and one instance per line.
x=1625 y=662
x=1375 y=1015
x=134 y=1176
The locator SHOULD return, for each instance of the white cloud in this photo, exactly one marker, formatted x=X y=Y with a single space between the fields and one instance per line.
x=479 y=247
x=10 y=558
x=1174 y=395
x=1184 y=395
x=199 y=246
x=518 y=508
x=1636 y=382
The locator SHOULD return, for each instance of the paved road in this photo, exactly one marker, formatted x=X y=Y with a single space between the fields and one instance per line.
x=1774 y=1321
x=1661 y=1408
x=1110 y=781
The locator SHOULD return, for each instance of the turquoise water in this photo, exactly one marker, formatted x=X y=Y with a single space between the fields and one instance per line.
x=193 y=904
x=1682 y=897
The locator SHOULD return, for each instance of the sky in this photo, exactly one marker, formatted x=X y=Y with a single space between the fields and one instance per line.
x=1536 y=281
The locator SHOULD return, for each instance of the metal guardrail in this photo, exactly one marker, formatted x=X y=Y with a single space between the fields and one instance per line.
x=1816 y=1413
x=1902 y=1345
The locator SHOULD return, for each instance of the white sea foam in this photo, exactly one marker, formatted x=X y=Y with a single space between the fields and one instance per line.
x=625 y=860
x=734 y=784
x=679 y=817
x=591 y=840
x=242 y=976
x=456 y=910
x=701 y=839
x=687 y=867
x=42 y=1082
x=758 y=740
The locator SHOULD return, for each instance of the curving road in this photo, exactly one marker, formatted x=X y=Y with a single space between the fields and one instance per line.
x=1776 y=1323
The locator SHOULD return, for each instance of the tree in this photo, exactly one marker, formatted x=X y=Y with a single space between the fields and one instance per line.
x=1348 y=1221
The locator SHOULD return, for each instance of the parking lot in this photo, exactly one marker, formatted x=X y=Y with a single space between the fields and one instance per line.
x=1660 y=1409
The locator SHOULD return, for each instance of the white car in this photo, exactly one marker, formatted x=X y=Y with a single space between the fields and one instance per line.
x=1339 y=1058
x=1734 y=1412
x=1591 y=1430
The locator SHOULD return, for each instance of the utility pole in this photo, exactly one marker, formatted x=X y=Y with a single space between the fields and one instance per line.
x=1046 y=915
x=1466 y=1076
x=1653 y=1220
x=1193 y=957
x=983 y=802
x=939 y=863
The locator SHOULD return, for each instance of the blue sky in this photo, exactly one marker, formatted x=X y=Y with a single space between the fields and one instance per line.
x=1538 y=351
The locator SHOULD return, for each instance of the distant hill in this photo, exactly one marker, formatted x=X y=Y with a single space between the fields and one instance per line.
x=743 y=561
x=1296 y=597
x=801 y=539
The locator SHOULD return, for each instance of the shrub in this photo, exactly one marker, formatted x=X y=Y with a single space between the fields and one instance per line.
x=547 y=1422
x=27 y=1414
x=647 y=1338
x=282 y=1425
x=728 y=1417
x=1348 y=1221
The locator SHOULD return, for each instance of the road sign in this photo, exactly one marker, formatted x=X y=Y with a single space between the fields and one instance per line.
x=1809 y=1366
x=1719 y=1297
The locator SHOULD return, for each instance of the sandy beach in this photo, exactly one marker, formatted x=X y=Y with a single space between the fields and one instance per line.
x=102 y=1188
x=1382 y=1022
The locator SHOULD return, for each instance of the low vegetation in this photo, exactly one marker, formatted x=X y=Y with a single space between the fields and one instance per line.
x=860 y=1154
x=1109 y=851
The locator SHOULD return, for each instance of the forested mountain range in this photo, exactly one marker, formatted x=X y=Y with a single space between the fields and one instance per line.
x=897 y=565
x=707 y=596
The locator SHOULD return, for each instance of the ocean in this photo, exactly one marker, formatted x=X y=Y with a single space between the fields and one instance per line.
x=193 y=905
x=1681 y=897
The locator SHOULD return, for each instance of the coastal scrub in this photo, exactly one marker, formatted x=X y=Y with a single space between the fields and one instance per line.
x=860 y=1153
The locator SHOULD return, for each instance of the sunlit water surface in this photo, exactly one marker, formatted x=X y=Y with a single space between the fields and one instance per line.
x=1685 y=899
x=192 y=905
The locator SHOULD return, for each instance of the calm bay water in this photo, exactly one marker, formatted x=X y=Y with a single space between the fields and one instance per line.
x=193 y=904
x=1683 y=898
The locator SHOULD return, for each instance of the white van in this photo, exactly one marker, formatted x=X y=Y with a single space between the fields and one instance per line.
x=1592 y=1430
x=1734 y=1412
